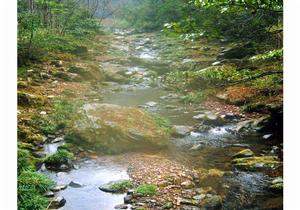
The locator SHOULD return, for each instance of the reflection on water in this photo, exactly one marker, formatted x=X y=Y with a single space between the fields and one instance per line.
x=91 y=174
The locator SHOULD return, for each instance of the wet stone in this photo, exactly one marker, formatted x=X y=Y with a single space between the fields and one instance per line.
x=121 y=206
x=187 y=184
x=128 y=199
x=49 y=194
x=59 y=187
x=181 y=130
x=58 y=202
x=75 y=184
x=243 y=153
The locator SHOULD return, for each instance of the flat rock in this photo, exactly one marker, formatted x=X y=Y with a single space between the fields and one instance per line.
x=151 y=104
x=121 y=206
x=181 y=130
x=243 y=153
x=109 y=187
x=59 y=187
x=112 y=128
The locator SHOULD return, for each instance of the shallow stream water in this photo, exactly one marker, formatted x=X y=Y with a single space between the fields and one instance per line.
x=213 y=147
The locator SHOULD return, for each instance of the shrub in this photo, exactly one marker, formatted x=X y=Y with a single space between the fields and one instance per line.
x=147 y=190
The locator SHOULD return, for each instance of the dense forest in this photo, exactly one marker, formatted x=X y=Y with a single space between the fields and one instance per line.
x=142 y=104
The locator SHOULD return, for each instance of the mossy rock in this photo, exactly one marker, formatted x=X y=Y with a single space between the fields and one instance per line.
x=256 y=163
x=118 y=186
x=28 y=99
x=212 y=177
x=277 y=187
x=60 y=158
x=243 y=153
x=112 y=129
x=88 y=71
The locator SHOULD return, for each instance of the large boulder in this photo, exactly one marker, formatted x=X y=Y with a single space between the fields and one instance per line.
x=238 y=51
x=111 y=128
x=88 y=71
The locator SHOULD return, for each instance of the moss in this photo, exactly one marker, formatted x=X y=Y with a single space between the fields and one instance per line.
x=65 y=147
x=256 y=163
x=122 y=186
x=27 y=99
x=161 y=122
x=147 y=190
x=60 y=157
x=31 y=187
x=277 y=187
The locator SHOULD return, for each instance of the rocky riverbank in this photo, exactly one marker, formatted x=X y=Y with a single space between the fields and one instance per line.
x=180 y=153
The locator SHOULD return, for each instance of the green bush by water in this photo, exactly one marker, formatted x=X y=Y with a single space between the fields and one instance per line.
x=31 y=187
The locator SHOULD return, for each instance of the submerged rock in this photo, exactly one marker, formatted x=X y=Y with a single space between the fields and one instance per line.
x=75 y=184
x=209 y=118
x=212 y=202
x=111 y=128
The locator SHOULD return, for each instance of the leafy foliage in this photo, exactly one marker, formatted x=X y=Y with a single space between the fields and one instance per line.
x=46 y=26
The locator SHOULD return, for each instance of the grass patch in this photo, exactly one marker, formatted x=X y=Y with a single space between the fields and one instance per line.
x=24 y=161
x=161 y=122
x=147 y=190
x=62 y=156
x=195 y=97
x=64 y=112
x=31 y=187
x=122 y=186
x=271 y=55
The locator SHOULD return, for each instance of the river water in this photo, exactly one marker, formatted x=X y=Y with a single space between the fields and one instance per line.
x=213 y=147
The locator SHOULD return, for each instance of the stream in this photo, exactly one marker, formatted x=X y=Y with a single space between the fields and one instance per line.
x=208 y=149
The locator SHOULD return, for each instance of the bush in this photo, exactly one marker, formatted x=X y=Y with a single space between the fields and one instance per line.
x=147 y=190
x=31 y=187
